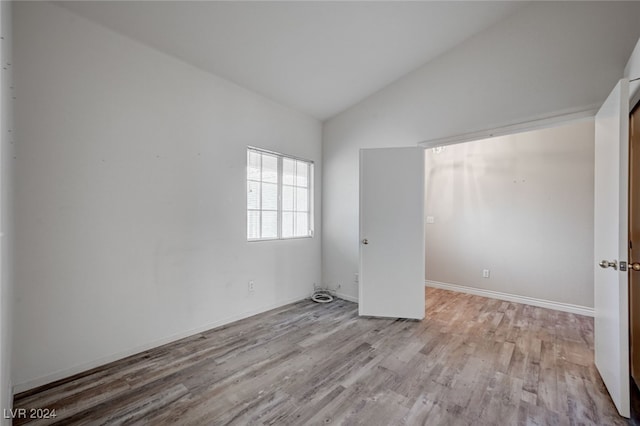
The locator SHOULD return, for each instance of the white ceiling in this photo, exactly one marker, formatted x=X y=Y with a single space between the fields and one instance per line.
x=316 y=57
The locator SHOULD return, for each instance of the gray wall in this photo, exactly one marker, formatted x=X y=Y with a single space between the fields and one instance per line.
x=6 y=208
x=130 y=181
x=632 y=72
x=520 y=206
x=547 y=58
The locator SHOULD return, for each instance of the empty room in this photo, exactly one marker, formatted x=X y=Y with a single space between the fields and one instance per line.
x=454 y=183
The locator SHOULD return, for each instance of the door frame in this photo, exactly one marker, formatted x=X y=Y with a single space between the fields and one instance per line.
x=533 y=123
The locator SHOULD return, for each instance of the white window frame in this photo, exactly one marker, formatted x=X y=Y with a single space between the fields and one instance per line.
x=310 y=196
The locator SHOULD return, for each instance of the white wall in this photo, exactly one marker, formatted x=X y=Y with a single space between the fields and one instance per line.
x=6 y=207
x=520 y=206
x=131 y=197
x=547 y=58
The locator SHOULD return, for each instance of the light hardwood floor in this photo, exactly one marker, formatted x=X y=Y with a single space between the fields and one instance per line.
x=472 y=361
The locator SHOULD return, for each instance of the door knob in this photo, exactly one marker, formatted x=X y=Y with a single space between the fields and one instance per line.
x=365 y=241
x=634 y=266
x=607 y=264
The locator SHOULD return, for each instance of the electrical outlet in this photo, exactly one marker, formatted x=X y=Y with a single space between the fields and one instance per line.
x=252 y=286
x=357 y=278
x=485 y=273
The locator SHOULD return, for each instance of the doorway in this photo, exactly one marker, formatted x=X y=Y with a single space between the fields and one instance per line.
x=498 y=208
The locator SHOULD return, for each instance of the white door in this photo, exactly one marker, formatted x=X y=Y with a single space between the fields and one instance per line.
x=392 y=233
x=610 y=245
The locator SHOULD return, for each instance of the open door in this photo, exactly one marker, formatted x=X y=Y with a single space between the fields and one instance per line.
x=634 y=245
x=392 y=233
x=611 y=302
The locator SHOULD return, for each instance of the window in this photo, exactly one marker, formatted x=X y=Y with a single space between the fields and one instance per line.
x=279 y=196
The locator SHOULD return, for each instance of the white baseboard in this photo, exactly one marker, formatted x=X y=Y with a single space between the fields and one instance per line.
x=346 y=297
x=558 y=306
x=50 y=378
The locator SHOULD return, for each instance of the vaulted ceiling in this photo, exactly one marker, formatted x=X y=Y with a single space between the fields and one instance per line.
x=317 y=57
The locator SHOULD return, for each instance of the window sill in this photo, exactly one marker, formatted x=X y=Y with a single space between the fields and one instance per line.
x=280 y=239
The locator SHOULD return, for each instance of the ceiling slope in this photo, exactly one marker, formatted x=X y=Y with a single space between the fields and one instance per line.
x=316 y=57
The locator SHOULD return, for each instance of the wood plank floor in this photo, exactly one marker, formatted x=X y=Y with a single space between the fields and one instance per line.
x=472 y=361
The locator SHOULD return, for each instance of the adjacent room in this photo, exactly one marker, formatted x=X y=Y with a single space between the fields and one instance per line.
x=500 y=211
x=179 y=177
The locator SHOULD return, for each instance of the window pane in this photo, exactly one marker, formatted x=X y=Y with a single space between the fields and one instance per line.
x=253 y=224
x=269 y=168
x=269 y=196
x=287 y=198
x=253 y=165
x=302 y=224
x=269 y=224
x=302 y=173
x=253 y=195
x=301 y=199
x=288 y=171
x=287 y=225
x=278 y=196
